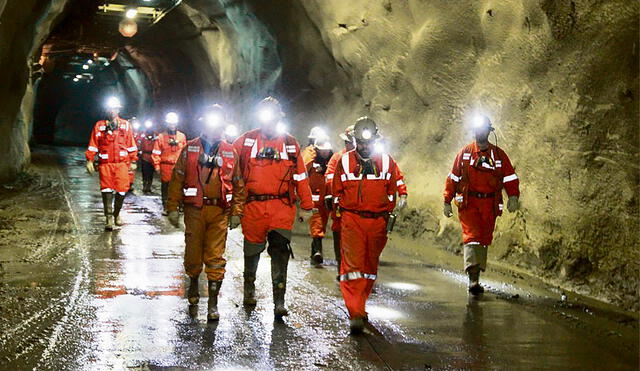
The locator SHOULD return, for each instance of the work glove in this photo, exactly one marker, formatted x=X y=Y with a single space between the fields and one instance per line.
x=513 y=204
x=174 y=218
x=133 y=166
x=402 y=202
x=305 y=215
x=448 y=211
x=90 y=168
x=234 y=221
x=328 y=203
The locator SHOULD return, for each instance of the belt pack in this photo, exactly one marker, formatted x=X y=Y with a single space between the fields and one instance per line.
x=367 y=214
x=481 y=195
x=266 y=197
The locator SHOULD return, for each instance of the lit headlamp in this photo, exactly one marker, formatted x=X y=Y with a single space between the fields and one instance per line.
x=148 y=124
x=172 y=118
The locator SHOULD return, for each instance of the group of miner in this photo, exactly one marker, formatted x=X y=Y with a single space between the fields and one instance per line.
x=262 y=179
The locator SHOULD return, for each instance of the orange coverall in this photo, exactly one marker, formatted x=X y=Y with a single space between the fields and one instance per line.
x=210 y=196
x=116 y=149
x=365 y=201
x=165 y=155
x=475 y=182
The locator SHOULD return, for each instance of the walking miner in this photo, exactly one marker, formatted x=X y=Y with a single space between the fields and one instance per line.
x=146 y=144
x=480 y=171
x=208 y=181
x=349 y=145
x=166 y=150
x=275 y=177
x=112 y=140
x=316 y=168
x=366 y=187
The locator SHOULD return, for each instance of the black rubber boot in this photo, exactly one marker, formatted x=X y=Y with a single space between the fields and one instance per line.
x=316 y=251
x=193 y=295
x=279 y=251
x=164 y=190
x=117 y=207
x=107 y=202
x=336 y=250
x=212 y=305
x=356 y=325
x=250 y=269
x=474 y=280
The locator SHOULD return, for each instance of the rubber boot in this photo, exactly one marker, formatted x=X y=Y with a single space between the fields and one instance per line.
x=146 y=186
x=316 y=251
x=279 y=264
x=336 y=251
x=212 y=305
x=193 y=295
x=164 y=190
x=356 y=325
x=107 y=202
x=117 y=207
x=474 y=280
x=250 y=269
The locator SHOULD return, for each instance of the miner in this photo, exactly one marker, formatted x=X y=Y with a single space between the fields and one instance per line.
x=146 y=143
x=365 y=185
x=112 y=140
x=166 y=150
x=480 y=171
x=275 y=177
x=207 y=179
x=316 y=168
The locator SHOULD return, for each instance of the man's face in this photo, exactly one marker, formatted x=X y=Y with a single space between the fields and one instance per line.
x=482 y=133
x=365 y=148
x=348 y=144
x=323 y=153
x=213 y=133
x=172 y=126
x=113 y=113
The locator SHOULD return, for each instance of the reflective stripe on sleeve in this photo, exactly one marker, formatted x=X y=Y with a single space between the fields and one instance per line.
x=299 y=177
x=399 y=183
x=330 y=176
x=157 y=152
x=92 y=149
x=131 y=149
x=454 y=177
x=509 y=178
x=315 y=198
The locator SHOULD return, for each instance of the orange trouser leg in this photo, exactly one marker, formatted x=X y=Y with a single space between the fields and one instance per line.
x=362 y=242
x=478 y=221
x=215 y=241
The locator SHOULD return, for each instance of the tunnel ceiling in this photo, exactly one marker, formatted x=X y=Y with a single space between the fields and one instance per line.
x=559 y=79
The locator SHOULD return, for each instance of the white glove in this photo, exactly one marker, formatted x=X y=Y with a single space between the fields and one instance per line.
x=90 y=168
x=133 y=166
x=402 y=202
x=305 y=215
x=448 y=211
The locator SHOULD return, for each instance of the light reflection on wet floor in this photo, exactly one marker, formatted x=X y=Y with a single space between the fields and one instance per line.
x=134 y=313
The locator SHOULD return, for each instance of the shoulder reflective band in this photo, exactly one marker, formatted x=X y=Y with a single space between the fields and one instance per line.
x=466 y=156
x=190 y=192
x=249 y=142
x=509 y=178
x=454 y=177
x=92 y=149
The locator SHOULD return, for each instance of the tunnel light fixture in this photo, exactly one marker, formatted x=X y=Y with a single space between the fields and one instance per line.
x=231 y=131
x=106 y=64
x=131 y=13
x=78 y=76
x=172 y=118
x=85 y=66
x=90 y=61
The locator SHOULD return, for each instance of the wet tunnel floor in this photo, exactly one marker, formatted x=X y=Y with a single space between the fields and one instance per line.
x=76 y=297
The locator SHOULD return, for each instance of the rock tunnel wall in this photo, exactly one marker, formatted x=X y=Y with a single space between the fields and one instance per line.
x=558 y=78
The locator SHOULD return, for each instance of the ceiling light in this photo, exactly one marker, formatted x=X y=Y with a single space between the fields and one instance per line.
x=131 y=13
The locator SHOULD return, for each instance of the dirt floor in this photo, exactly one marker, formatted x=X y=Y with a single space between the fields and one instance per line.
x=75 y=297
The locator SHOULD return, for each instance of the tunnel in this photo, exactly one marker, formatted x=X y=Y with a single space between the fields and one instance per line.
x=558 y=80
